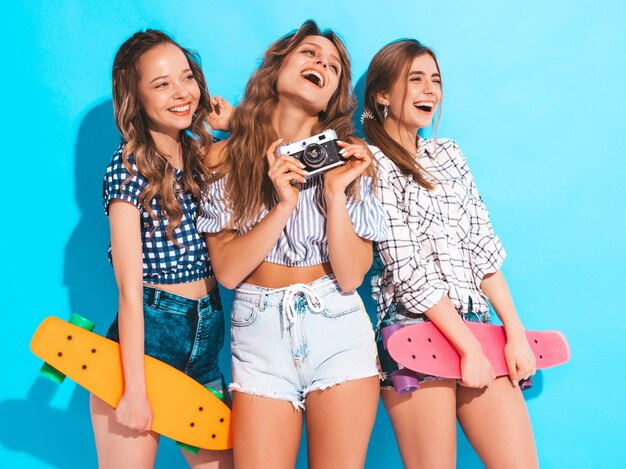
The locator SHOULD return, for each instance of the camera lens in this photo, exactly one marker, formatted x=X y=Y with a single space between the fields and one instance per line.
x=314 y=155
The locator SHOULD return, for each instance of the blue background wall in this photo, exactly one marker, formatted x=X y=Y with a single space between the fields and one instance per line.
x=534 y=94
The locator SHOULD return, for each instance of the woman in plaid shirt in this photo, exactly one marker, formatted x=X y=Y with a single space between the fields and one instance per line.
x=441 y=263
x=169 y=305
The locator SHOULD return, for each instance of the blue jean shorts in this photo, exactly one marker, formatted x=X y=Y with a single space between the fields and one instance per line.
x=184 y=333
x=288 y=342
x=398 y=315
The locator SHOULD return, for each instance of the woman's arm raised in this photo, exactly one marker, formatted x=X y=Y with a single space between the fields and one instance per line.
x=234 y=257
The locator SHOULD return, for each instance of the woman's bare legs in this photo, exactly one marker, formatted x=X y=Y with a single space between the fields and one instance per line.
x=207 y=459
x=424 y=422
x=118 y=446
x=266 y=432
x=339 y=422
x=496 y=423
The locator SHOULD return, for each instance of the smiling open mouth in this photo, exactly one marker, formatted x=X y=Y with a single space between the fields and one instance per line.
x=425 y=106
x=180 y=109
x=314 y=77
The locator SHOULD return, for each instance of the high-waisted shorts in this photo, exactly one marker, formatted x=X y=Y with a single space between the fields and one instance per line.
x=397 y=315
x=184 y=333
x=288 y=342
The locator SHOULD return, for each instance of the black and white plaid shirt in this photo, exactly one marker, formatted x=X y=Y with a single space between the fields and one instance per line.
x=441 y=241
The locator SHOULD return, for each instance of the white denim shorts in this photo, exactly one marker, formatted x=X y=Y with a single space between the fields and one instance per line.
x=288 y=342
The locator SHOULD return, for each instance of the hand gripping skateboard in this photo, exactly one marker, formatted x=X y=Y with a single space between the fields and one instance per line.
x=424 y=349
x=184 y=410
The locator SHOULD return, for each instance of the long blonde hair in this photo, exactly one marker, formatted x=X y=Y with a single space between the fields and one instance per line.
x=390 y=64
x=132 y=124
x=249 y=189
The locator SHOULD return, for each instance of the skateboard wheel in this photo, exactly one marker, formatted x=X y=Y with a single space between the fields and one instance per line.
x=526 y=383
x=216 y=393
x=189 y=448
x=405 y=381
x=51 y=373
x=387 y=331
x=82 y=322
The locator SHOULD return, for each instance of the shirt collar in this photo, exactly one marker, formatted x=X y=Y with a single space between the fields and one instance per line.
x=425 y=147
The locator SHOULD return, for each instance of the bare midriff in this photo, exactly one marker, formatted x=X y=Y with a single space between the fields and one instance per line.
x=271 y=275
x=193 y=290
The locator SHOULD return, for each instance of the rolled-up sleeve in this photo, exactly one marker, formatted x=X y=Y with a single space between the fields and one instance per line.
x=415 y=281
x=119 y=183
x=487 y=252
x=367 y=213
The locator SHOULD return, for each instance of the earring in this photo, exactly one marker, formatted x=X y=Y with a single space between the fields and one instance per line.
x=386 y=108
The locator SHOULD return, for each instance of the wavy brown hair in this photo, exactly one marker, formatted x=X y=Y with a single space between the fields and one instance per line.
x=248 y=187
x=133 y=125
x=390 y=64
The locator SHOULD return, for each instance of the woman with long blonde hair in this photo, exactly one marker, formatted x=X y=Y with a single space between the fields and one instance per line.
x=296 y=246
x=169 y=306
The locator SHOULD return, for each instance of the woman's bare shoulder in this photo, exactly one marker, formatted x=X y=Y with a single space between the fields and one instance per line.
x=217 y=154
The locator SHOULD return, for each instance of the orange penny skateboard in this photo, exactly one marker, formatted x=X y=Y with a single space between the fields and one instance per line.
x=184 y=410
x=424 y=349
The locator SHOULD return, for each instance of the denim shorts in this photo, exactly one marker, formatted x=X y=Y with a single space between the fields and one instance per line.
x=184 y=333
x=398 y=315
x=288 y=342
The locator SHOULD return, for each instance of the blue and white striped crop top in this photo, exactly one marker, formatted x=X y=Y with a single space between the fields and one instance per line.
x=303 y=241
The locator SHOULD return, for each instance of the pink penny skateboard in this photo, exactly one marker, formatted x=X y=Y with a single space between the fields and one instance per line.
x=424 y=349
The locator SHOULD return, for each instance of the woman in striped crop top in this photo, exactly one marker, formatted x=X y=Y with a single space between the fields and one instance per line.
x=295 y=248
x=441 y=262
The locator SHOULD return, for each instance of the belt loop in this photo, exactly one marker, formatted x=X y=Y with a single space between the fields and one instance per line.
x=212 y=300
x=262 y=300
x=156 y=298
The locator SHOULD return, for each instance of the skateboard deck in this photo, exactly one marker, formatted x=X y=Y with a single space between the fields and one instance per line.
x=423 y=348
x=184 y=410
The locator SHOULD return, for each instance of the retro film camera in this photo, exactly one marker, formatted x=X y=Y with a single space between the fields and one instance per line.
x=318 y=153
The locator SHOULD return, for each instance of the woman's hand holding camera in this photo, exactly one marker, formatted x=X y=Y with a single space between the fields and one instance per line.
x=285 y=172
x=358 y=159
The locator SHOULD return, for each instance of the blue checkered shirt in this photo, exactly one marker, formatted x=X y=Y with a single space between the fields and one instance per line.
x=441 y=241
x=164 y=262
